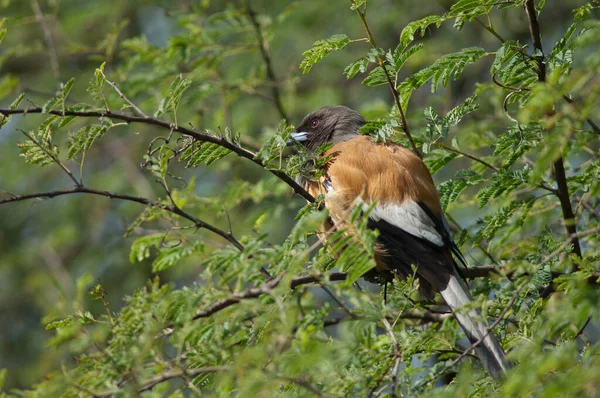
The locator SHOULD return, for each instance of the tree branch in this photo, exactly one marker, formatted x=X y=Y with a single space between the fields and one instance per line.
x=51 y=156
x=218 y=140
x=559 y=169
x=507 y=307
x=169 y=375
x=391 y=85
x=39 y=16
x=264 y=51
x=123 y=97
x=172 y=209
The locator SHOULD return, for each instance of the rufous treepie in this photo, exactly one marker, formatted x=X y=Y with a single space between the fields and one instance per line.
x=407 y=212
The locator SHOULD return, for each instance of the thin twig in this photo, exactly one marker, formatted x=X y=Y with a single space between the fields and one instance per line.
x=39 y=16
x=264 y=51
x=172 y=209
x=123 y=97
x=594 y=126
x=304 y=384
x=465 y=154
x=220 y=141
x=392 y=86
x=169 y=375
x=54 y=158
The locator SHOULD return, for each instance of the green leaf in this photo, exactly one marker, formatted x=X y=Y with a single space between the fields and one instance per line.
x=353 y=245
x=362 y=64
x=438 y=159
x=140 y=248
x=321 y=49
x=60 y=97
x=203 y=153
x=170 y=256
x=449 y=66
x=357 y=3
x=401 y=55
x=76 y=318
x=150 y=213
x=96 y=85
x=468 y=10
x=83 y=139
x=493 y=224
x=503 y=181
x=418 y=27
x=171 y=102
x=435 y=125
x=439 y=127
x=517 y=141
x=39 y=149
x=3 y=31
x=376 y=77
x=451 y=189
x=513 y=69
x=15 y=104
x=273 y=148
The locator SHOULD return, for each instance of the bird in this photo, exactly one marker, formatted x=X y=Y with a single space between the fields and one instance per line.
x=396 y=185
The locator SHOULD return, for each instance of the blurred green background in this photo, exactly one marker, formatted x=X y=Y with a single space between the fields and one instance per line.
x=47 y=246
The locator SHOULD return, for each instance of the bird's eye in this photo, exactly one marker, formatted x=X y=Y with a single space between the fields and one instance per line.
x=314 y=123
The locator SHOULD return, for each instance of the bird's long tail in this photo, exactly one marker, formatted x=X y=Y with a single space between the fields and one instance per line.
x=456 y=295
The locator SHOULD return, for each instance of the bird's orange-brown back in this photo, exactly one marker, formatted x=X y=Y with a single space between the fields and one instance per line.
x=382 y=173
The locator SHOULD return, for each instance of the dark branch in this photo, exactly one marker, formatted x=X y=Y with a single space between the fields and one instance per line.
x=218 y=140
x=169 y=375
x=264 y=51
x=256 y=292
x=172 y=209
x=559 y=169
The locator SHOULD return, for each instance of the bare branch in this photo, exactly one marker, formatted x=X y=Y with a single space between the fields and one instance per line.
x=465 y=154
x=172 y=209
x=218 y=140
x=123 y=97
x=39 y=16
x=264 y=51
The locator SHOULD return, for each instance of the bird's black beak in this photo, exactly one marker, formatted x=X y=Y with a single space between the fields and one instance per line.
x=297 y=136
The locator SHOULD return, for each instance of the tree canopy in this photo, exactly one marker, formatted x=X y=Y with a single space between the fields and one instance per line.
x=154 y=240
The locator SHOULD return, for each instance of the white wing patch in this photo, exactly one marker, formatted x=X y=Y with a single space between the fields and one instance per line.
x=410 y=217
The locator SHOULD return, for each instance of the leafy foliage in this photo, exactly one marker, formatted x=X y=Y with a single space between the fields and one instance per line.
x=39 y=149
x=228 y=291
x=83 y=139
x=322 y=48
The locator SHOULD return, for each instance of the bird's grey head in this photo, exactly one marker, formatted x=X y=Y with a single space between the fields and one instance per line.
x=332 y=124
